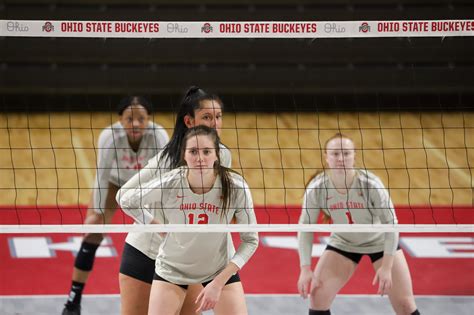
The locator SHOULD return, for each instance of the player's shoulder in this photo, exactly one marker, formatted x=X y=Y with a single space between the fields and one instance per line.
x=238 y=180
x=368 y=178
x=225 y=155
x=224 y=149
x=172 y=178
x=156 y=159
x=318 y=181
x=223 y=146
x=169 y=183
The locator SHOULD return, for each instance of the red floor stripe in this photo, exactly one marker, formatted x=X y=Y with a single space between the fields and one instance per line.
x=271 y=270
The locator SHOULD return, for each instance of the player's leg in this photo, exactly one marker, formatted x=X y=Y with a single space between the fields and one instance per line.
x=332 y=272
x=91 y=241
x=165 y=298
x=401 y=293
x=232 y=300
x=135 y=279
x=86 y=255
x=134 y=295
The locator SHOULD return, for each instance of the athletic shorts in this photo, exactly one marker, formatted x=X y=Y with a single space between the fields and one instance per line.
x=137 y=265
x=356 y=257
x=232 y=279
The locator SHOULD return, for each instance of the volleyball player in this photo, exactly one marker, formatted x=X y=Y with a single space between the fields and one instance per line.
x=202 y=191
x=123 y=149
x=138 y=259
x=347 y=195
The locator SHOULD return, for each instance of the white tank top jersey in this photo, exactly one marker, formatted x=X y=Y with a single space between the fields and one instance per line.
x=149 y=243
x=367 y=202
x=116 y=160
x=187 y=258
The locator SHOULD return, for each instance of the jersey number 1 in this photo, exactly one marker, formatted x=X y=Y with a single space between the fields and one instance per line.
x=202 y=218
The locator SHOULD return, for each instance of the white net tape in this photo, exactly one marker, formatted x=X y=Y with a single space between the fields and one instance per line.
x=193 y=228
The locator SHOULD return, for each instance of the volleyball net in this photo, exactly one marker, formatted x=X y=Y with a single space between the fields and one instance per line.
x=423 y=153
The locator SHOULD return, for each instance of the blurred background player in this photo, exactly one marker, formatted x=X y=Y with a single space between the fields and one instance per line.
x=123 y=149
x=347 y=195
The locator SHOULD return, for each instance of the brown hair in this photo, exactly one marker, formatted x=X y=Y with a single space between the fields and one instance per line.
x=222 y=171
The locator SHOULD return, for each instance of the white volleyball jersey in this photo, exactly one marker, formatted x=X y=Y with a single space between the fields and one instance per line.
x=116 y=160
x=187 y=258
x=367 y=202
x=149 y=243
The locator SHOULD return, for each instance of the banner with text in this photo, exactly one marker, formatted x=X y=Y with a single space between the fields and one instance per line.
x=263 y=29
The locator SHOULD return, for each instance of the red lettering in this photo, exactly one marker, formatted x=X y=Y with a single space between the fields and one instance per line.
x=139 y=27
x=294 y=28
x=209 y=207
x=256 y=28
x=202 y=218
x=452 y=26
x=72 y=27
x=187 y=206
x=384 y=27
x=415 y=26
x=230 y=28
x=100 y=27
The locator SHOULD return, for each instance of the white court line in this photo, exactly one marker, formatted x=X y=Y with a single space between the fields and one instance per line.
x=464 y=175
x=82 y=161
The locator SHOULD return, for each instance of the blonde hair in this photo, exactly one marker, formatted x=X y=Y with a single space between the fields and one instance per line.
x=336 y=136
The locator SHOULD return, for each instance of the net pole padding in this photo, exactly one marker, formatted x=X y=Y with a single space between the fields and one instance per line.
x=198 y=228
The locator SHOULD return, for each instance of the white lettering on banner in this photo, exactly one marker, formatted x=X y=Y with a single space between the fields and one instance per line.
x=43 y=247
x=422 y=247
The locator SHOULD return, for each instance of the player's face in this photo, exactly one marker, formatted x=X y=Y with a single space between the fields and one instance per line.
x=340 y=153
x=135 y=120
x=200 y=154
x=209 y=114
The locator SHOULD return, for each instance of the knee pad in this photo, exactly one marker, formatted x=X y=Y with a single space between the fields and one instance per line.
x=85 y=257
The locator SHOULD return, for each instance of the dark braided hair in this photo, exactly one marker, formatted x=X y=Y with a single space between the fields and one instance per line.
x=134 y=100
x=189 y=104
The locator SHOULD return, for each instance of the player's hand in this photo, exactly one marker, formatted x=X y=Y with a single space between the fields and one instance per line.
x=208 y=297
x=304 y=281
x=384 y=277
